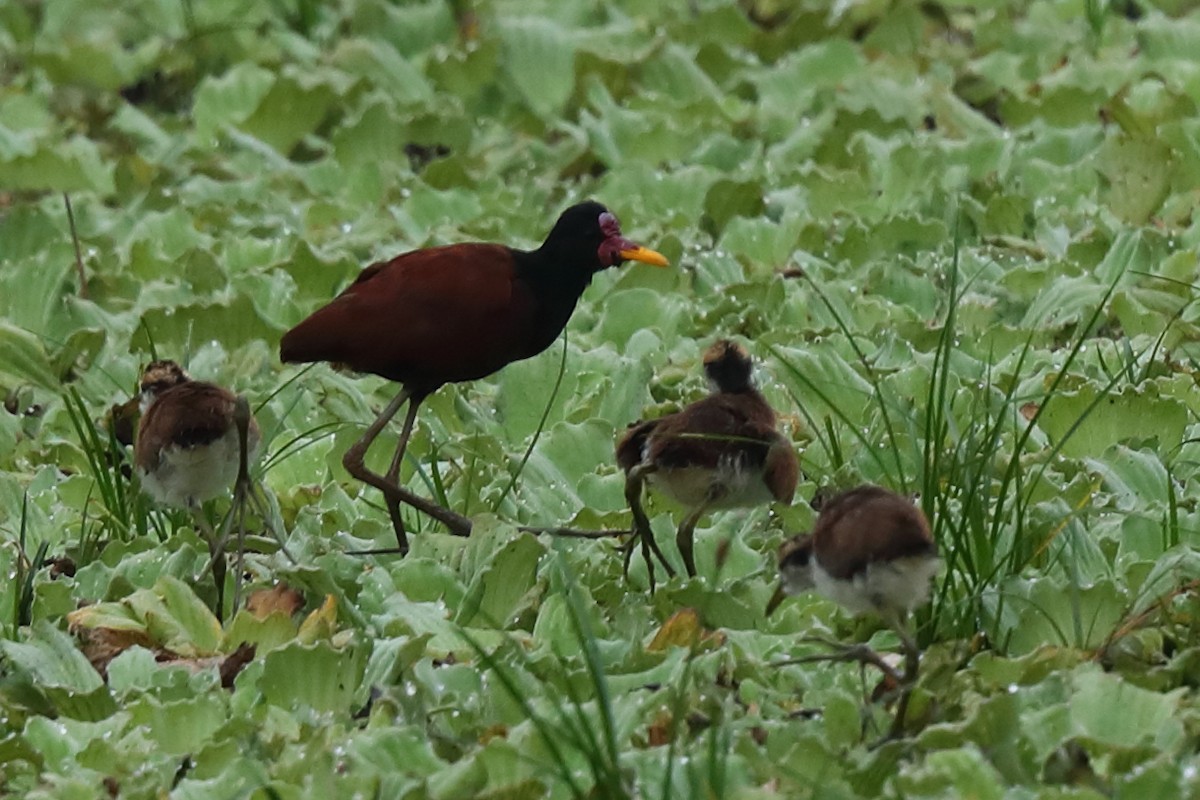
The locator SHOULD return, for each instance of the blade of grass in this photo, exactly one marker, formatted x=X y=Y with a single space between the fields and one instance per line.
x=300 y=441
x=892 y=439
x=811 y=387
x=549 y=735
x=104 y=460
x=80 y=274
x=591 y=657
x=562 y=369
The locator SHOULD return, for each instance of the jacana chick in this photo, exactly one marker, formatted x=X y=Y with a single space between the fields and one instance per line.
x=186 y=451
x=871 y=551
x=720 y=452
x=194 y=442
x=455 y=313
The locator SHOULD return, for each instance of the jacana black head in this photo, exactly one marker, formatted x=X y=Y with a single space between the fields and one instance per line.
x=588 y=233
x=728 y=367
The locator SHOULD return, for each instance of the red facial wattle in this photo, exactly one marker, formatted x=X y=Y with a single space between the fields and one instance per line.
x=615 y=248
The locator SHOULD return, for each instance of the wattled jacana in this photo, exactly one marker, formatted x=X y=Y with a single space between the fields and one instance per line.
x=194 y=441
x=455 y=313
x=722 y=451
x=871 y=551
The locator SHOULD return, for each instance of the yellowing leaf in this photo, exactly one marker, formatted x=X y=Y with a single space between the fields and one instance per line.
x=321 y=624
x=683 y=629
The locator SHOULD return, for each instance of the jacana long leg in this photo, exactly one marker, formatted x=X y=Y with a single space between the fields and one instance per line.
x=685 y=537
x=866 y=655
x=353 y=462
x=244 y=491
x=239 y=561
x=393 y=477
x=247 y=492
x=216 y=561
x=245 y=488
x=842 y=652
x=410 y=419
x=393 y=473
x=641 y=529
x=393 y=508
x=912 y=662
x=264 y=511
x=641 y=525
x=241 y=418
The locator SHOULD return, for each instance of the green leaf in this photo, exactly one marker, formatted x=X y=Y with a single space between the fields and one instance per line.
x=958 y=772
x=50 y=656
x=229 y=99
x=496 y=592
x=675 y=75
x=1094 y=427
x=1138 y=172
x=180 y=329
x=23 y=360
x=290 y=110
x=1135 y=478
x=50 y=659
x=1043 y=610
x=319 y=676
x=823 y=64
x=728 y=199
x=196 y=623
x=170 y=614
x=65 y=166
x=182 y=726
x=1168 y=40
x=1111 y=710
x=380 y=61
x=396 y=751
x=96 y=60
x=540 y=61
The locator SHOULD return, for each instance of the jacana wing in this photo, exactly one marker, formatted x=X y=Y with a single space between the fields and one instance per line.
x=429 y=317
x=869 y=524
x=190 y=414
x=781 y=472
x=717 y=427
x=632 y=447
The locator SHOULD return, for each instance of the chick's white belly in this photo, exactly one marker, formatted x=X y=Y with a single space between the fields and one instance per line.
x=899 y=585
x=186 y=476
x=797 y=580
x=731 y=484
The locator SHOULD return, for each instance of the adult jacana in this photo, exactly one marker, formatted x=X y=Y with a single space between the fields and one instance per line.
x=722 y=451
x=455 y=313
x=871 y=551
x=194 y=442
